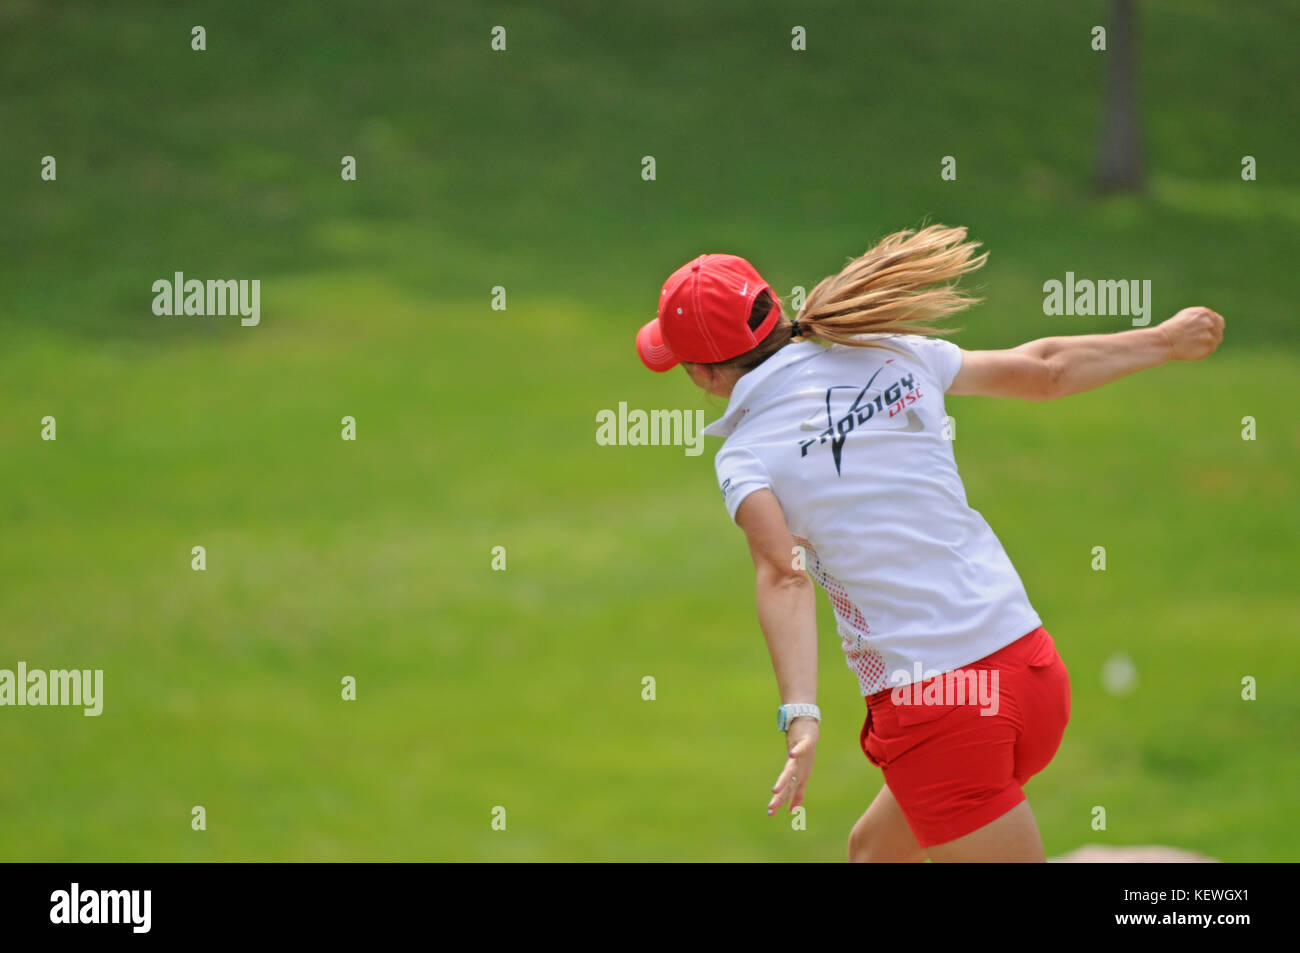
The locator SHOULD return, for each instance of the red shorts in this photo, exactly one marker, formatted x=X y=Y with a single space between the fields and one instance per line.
x=953 y=768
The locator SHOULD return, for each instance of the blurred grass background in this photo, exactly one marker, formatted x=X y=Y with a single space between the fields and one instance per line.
x=476 y=427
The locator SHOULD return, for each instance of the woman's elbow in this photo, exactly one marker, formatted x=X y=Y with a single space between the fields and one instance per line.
x=775 y=577
x=1047 y=381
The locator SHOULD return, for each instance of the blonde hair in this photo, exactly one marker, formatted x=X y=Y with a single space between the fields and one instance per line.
x=903 y=285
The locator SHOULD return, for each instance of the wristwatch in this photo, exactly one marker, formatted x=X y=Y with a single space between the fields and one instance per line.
x=788 y=713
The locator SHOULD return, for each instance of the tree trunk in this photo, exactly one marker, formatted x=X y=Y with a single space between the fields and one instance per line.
x=1119 y=165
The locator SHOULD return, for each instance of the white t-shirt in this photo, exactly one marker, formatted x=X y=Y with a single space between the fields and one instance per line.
x=852 y=442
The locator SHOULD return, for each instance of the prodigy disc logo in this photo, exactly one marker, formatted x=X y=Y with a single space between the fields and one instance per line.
x=867 y=405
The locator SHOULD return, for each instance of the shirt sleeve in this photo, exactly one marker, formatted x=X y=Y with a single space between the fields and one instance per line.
x=740 y=473
x=942 y=358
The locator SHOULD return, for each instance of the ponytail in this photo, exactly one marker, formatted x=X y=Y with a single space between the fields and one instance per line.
x=903 y=285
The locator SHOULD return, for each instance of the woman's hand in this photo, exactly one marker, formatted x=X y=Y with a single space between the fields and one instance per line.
x=801 y=744
x=1193 y=333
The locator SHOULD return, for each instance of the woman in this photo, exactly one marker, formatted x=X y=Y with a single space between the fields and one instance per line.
x=838 y=464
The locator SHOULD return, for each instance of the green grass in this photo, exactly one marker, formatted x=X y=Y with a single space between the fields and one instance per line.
x=476 y=428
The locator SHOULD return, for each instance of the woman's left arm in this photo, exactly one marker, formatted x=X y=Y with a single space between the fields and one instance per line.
x=787 y=614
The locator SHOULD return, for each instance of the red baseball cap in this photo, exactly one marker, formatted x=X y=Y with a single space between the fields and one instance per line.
x=704 y=312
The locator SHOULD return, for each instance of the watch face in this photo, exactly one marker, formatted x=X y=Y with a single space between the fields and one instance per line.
x=780 y=718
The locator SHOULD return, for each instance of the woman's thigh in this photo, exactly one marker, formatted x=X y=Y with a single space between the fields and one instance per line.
x=882 y=834
x=1012 y=838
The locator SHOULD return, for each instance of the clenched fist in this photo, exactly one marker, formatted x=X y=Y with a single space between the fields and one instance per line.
x=1193 y=333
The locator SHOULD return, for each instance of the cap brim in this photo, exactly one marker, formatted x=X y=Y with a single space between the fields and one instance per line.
x=655 y=354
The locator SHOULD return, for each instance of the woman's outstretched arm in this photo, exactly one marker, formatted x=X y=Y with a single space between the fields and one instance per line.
x=1059 y=366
